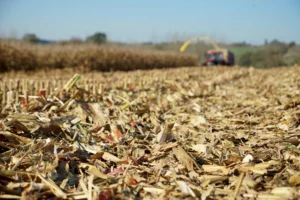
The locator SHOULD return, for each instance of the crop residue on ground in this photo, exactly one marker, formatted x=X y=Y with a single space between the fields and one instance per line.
x=185 y=133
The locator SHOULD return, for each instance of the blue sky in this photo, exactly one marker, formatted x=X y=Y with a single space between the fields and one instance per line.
x=156 y=20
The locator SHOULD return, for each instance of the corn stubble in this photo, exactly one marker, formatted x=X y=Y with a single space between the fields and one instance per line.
x=184 y=133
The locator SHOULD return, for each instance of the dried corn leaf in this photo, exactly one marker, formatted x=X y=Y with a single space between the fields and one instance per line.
x=183 y=157
x=93 y=170
x=185 y=189
x=154 y=191
x=215 y=169
x=164 y=133
x=53 y=187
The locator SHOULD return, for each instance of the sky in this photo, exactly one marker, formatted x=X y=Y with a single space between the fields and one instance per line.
x=228 y=21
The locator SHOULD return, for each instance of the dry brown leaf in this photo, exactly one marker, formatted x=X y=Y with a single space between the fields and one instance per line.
x=285 y=192
x=215 y=169
x=294 y=180
x=154 y=191
x=110 y=157
x=185 y=189
x=201 y=148
x=93 y=170
x=183 y=157
x=165 y=132
x=94 y=111
x=198 y=120
x=53 y=187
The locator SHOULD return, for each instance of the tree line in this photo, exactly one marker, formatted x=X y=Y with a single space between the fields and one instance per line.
x=96 y=38
x=271 y=54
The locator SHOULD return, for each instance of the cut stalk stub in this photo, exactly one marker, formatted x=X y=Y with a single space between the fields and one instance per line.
x=71 y=82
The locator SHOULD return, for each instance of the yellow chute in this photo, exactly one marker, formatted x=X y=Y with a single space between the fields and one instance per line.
x=187 y=43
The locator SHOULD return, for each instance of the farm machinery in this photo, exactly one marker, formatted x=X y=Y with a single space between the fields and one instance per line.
x=216 y=56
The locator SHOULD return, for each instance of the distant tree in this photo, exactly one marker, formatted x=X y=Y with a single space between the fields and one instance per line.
x=241 y=44
x=97 y=38
x=31 y=38
x=75 y=40
x=147 y=43
x=246 y=59
x=293 y=55
x=268 y=56
x=276 y=42
x=292 y=44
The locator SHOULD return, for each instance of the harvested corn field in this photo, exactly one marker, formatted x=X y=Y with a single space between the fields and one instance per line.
x=23 y=56
x=184 y=133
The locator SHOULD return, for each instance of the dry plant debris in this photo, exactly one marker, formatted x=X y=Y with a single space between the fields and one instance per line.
x=187 y=133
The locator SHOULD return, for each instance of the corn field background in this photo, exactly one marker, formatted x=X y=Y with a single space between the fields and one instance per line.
x=29 y=57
